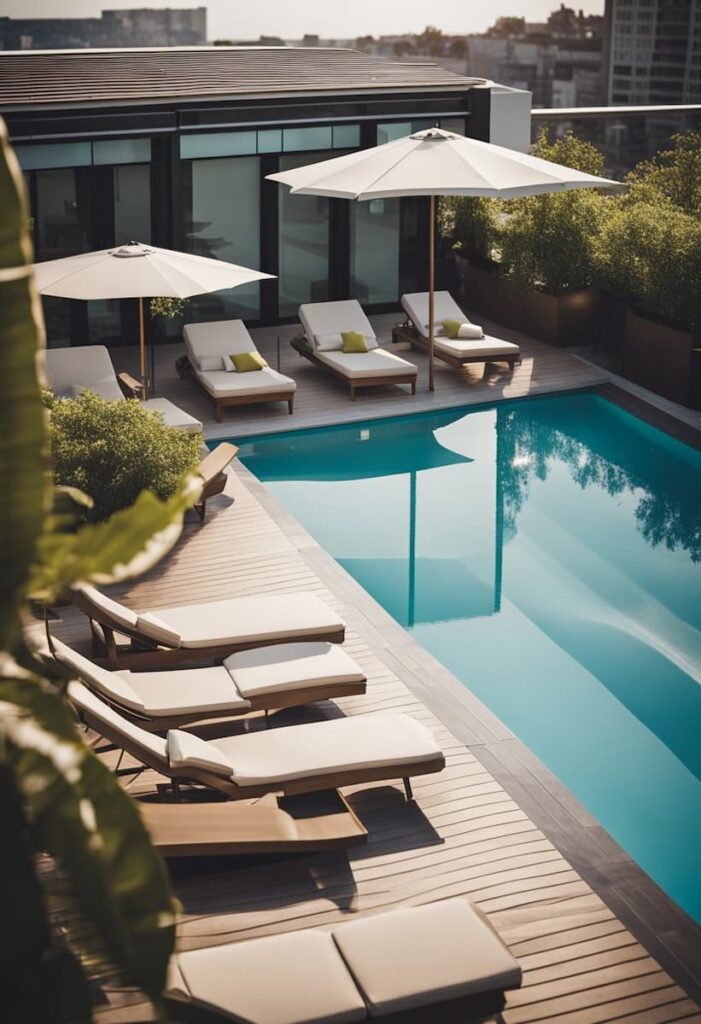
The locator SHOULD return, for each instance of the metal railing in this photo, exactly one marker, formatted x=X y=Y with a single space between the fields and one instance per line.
x=625 y=135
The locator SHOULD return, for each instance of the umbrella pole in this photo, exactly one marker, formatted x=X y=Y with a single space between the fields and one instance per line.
x=142 y=350
x=431 y=286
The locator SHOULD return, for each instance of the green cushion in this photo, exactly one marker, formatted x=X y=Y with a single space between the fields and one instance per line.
x=247 y=361
x=452 y=327
x=354 y=341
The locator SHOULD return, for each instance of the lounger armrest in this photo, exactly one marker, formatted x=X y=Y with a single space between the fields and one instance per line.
x=131 y=387
x=216 y=462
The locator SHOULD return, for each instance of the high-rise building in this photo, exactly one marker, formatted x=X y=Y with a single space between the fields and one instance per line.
x=653 y=51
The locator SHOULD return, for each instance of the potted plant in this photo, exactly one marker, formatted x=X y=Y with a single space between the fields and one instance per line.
x=650 y=256
x=471 y=225
x=168 y=313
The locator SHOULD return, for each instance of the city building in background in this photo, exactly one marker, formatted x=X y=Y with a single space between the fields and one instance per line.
x=653 y=51
x=145 y=26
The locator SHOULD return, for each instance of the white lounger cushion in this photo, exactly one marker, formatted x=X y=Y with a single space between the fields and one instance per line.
x=377 y=363
x=320 y=319
x=185 y=691
x=71 y=370
x=490 y=348
x=225 y=338
x=417 y=956
x=172 y=415
x=222 y=384
x=444 y=308
x=122 y=615
x=111 y=684
x=243 y=619
x=285 y=667
x=185 y=750
x=322 y=748
x=284 y=979
x=405 y=958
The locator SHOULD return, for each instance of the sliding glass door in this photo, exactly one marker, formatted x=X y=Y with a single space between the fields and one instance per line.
x=303 y=243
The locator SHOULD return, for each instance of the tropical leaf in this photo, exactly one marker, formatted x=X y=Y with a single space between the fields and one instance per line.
x=128 y=543
x=78 y=813
x=22 y=467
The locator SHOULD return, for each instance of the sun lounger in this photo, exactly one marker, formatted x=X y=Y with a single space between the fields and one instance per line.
x=454 y=351
x=165 y=637
x=89 y=368
x=322 y=345
x=441 y=963
x=264 y=679
x=294 y=759
x=209 y=347
x=211 y=470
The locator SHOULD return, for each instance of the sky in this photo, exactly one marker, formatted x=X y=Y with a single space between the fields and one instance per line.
x=292 y=18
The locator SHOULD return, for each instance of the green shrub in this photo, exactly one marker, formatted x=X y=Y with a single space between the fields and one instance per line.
x=673 y=174
x=114 y=450
x=650 y=254
x=549 y=241
x=471 y=223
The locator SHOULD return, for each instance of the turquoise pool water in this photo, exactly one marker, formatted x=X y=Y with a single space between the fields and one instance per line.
x=548 y=552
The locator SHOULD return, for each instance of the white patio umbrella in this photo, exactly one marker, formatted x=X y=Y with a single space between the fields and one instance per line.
x=138 y=271
x=435 y=163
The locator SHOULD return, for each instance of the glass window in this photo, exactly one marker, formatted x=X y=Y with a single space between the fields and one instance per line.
x=295 y=139
x=223 y=222
x=270 y=141
x=212 y=144
x=65 y=154
x=132 y=203
x=399 y=129
x=375 y=250
x=453 y=124
x=346 y=136
x=303 y=244
x=62 y=213
x=121 y=151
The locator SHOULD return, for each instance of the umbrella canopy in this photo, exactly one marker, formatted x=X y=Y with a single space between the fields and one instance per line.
x=435 y=163
x=137 y=271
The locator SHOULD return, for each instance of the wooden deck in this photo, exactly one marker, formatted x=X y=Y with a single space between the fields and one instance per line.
x=597 y=940
x=322 y=399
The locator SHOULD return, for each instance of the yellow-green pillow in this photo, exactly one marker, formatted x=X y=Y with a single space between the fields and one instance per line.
x=244 y=362
x=354 y=341
x=452 y=327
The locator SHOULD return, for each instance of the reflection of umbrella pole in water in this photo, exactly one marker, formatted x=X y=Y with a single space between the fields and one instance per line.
x=412 y=549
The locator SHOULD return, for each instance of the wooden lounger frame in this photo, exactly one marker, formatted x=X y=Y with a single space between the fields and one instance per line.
x=406 y=332
x=231 y=790
x=184 y=370
x=301 y=345
x=144 y=653
x=211 y=469
x=220 y=828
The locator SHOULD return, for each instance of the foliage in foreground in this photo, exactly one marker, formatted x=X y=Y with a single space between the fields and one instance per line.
x=56 y=797
x=115 y=450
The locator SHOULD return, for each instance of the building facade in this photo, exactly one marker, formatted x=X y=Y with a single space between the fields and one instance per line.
x=173 y=148
x=653 y=53
x=145 y=26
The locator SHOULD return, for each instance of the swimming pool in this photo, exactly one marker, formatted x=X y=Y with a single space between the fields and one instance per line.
x=548 y=552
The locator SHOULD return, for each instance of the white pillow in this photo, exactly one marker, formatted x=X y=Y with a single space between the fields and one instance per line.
x=156 y=629
x=188 y=751
x=470 y=332
x=208 y=363
x=328 y=342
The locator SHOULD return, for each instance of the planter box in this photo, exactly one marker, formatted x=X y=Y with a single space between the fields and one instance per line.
x=658 y=356
x=560 y=320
